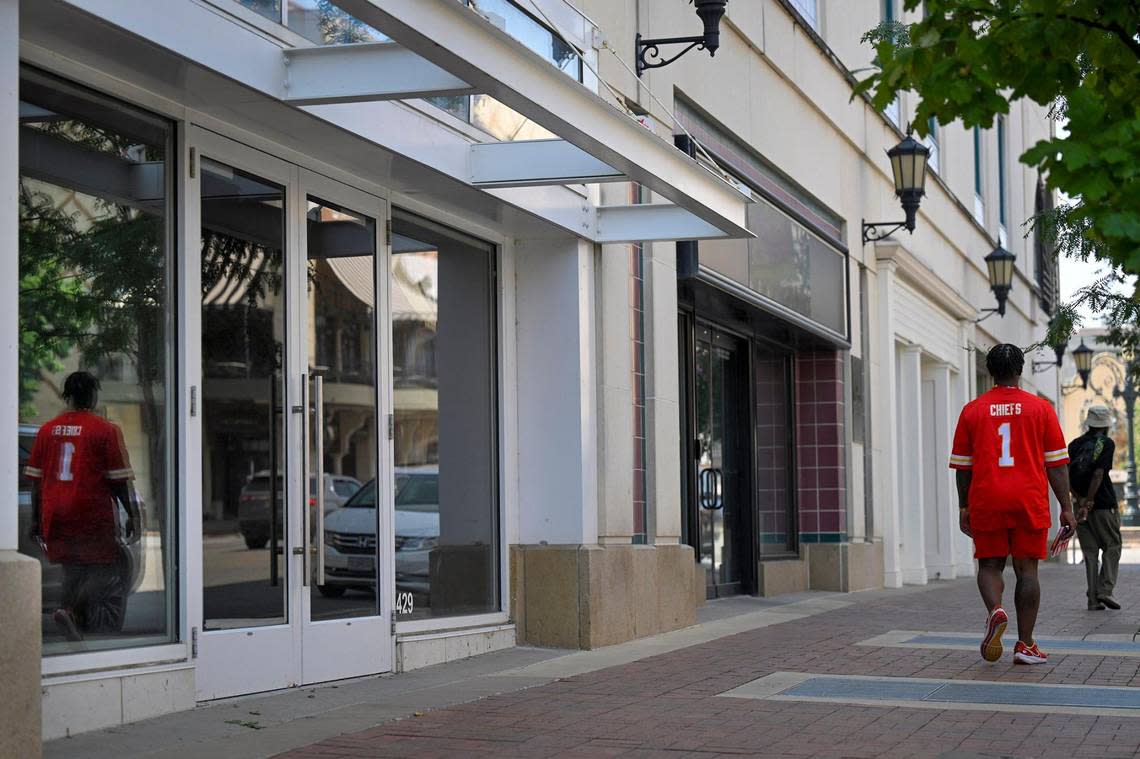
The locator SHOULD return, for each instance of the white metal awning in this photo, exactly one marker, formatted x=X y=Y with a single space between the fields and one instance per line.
x=336 y=102
x=455 y=38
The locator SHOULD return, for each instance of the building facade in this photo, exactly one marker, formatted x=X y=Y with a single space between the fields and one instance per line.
x=429 y=327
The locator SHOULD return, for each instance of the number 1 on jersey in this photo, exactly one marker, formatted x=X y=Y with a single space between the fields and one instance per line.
x=1006 y=433
x=65 y=462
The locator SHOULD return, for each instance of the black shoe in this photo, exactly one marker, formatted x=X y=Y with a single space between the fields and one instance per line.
x=1110 y=602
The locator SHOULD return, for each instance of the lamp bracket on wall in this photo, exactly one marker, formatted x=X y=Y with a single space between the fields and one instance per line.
x=873 y=231
x=649 y=52
x=990 y=312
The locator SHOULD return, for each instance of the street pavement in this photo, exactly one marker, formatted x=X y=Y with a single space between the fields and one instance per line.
x=664 y=696
x=668 y=705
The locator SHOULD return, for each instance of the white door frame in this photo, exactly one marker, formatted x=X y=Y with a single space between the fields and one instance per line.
x=255 y=659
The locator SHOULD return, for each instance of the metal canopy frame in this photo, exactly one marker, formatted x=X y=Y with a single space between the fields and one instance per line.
x=530 y=163
x=438 y=46
x=457 y=39
x=364 y=72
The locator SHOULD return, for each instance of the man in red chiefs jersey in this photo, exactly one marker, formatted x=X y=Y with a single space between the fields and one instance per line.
x=1008 y=452
x=80 y=472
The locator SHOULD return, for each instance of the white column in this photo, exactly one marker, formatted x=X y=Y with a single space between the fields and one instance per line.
x=963 y=546
x=662 y=395
x=910 y=463
x=557 y=398
x=615 y=388
x=885 y=435
x=9 y=268
x=941 y=507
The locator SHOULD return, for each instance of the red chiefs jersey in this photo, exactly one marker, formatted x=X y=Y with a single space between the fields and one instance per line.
x=76 y=457
x=1008 y=438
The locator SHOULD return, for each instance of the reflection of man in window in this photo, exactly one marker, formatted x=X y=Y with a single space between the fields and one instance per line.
x=79 y=471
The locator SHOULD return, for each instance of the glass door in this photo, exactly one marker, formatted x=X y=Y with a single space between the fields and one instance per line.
x=722 y=453
x=290 y=403
x=348 y=505
x=248 y=602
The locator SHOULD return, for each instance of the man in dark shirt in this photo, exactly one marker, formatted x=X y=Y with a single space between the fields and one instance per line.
x=1098 y=514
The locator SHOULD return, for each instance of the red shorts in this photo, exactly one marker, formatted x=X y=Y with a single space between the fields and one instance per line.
x=1018 y=542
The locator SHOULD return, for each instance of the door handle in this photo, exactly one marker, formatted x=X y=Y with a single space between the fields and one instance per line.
x=306 y=523
x=710 y=481
x=706 y=481
x=319 y=450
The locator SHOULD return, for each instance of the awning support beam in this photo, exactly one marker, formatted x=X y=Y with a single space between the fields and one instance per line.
x=364 y=72
x=536 y=162
x=657 y=222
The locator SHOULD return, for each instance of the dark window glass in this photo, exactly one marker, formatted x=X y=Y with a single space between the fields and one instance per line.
x=444 y=353
x=787 y=263
x=96 y=502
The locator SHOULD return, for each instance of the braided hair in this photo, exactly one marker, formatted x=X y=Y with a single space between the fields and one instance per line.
x=79 y=390
x=1005 y=362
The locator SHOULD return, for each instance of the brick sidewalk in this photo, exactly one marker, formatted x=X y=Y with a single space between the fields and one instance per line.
x=665 y=706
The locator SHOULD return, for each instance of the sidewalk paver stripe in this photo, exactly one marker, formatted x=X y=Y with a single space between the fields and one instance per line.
x=885 y=689
x=961 y=641
x=1095 y=647
x=1038 y=695
x=930 y=692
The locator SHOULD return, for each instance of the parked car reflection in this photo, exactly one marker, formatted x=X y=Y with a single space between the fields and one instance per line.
x=253 y=505
x=350 y=535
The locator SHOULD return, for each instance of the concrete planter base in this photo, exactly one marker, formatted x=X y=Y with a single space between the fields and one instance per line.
x=586 y=596
x=20 y=656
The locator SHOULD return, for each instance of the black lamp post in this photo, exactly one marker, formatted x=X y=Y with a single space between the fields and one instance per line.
x=908 y=166
x=710 y=12
x=1082 y=357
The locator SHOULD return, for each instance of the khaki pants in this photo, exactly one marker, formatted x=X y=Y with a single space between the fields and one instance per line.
x=1100 y=532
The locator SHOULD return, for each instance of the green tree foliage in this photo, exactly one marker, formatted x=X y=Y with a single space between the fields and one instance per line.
x=969 y=59
x=55 y=311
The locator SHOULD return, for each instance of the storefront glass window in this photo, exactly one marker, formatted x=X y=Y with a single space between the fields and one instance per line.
x=445 y=448
x=322 y=22
x=787 y=263
x=96 y=501
x=486 y=112
x=271 y=9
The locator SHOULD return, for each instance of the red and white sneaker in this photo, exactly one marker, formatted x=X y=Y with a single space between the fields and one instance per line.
x=995 y=628
x=1031 y=654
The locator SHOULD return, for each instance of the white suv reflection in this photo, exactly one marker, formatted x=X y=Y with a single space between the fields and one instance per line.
x=350 y=535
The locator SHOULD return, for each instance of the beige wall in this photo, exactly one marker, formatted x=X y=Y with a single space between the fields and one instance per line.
x=785 y=91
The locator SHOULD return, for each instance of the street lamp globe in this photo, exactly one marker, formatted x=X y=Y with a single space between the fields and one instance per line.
x=908 y=165
x=999 y=266
x=1082 y=357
